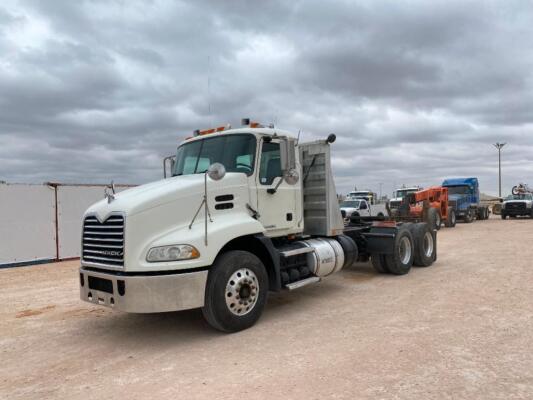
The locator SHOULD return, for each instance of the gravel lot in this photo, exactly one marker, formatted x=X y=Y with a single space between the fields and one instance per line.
x=461 y=329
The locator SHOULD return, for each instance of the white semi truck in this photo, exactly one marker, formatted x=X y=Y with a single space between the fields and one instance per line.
x=245 y=211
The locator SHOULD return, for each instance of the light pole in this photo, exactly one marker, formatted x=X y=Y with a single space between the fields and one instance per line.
x=499 y=147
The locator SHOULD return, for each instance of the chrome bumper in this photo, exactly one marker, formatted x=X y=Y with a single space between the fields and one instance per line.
x=143 y=293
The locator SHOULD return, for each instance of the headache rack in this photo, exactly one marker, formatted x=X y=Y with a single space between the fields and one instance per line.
x=103 y=242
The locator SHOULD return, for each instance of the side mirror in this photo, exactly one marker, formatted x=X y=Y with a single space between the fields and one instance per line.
x=501 y=200
x=171 y=162
x=216 y=171
x=287 y=149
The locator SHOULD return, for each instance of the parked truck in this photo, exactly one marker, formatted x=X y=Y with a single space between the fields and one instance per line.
x=399 y=195
x=464 y=198
x=360 y=207
x=515 y=205
x=244 y=211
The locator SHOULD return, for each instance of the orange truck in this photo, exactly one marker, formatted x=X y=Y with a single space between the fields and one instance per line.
x=429 y=205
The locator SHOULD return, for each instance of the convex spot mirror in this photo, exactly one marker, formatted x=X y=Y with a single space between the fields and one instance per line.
x=216 y=171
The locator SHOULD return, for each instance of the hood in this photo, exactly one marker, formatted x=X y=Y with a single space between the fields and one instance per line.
x=141 y=198
x=399 y=199
x=517 y=201
x=349 y=209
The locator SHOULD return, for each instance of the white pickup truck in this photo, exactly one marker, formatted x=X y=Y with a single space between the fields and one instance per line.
x=361 y=208
x=517 y=205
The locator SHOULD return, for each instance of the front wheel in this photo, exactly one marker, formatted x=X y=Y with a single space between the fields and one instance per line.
x=451 y=218
x=503 y=216
x=236 y=291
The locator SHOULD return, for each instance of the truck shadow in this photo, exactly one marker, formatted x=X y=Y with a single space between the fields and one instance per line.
x=185 y=327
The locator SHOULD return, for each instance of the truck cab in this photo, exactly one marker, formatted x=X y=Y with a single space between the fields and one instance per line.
x=464 y=198
x=400 y=194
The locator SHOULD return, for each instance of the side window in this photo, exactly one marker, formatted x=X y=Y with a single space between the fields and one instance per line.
x=270 y=163
x=363 y=205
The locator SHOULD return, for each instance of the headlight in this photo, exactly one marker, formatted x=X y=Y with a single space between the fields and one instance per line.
x=173 y=252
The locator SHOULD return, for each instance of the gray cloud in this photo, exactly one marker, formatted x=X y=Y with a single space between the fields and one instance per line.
x=415 y=91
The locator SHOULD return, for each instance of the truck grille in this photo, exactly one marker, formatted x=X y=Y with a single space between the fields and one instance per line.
x=103 y=242
x=394 y=203
x=515 y=206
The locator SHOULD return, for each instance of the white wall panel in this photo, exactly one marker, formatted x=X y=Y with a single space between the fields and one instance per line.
x=27 y=223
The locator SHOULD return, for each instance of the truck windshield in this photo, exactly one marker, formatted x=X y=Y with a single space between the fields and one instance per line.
x=235 y=152
x=521 y=196
x=351 y=204
x=458 y=189
x=402 y=193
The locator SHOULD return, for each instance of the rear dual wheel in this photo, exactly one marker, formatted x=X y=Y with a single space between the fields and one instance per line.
x=451 y=219
x=401 y=260
x=415 y=244
x=425 y=244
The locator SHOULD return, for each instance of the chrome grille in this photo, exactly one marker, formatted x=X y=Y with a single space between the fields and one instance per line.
x=103 y=242
x=394 y=203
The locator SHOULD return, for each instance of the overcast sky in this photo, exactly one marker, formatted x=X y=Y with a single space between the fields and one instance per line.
x=416 y=91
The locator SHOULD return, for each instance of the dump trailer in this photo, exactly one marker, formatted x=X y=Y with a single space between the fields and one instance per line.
x=464 y=198
x=429 y=205
x=242 y=212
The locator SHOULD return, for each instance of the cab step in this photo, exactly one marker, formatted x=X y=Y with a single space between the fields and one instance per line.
x=303 y=282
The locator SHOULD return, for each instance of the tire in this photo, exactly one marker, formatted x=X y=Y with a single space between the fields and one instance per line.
x=451 y=220
x=433 y=219
x=469 y=217
x=425 y=244
x=243 y=269
x=401 y=261
x=503 y=216
x=378 y=263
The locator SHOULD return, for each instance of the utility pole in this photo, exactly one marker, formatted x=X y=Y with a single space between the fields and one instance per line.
x=380 y=186
x=499 y=147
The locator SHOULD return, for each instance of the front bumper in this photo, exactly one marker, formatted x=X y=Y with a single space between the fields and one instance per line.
x=143 y=293
x=516 y=213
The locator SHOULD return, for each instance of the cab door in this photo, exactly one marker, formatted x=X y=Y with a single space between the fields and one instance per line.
x=364 y=209
x=276 y=199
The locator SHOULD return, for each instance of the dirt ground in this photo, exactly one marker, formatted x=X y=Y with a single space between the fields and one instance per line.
x=461 y=329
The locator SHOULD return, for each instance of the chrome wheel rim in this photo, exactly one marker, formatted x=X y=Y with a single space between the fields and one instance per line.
x=405 y=250
x=428 y=244
x=242 y=291
x=437 y=221
x=453 y=218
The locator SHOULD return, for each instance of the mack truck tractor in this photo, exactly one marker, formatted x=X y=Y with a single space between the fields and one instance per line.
x=242 y=212
x=464 y=198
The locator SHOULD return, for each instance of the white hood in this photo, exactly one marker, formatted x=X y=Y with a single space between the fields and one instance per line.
x=176 y=189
